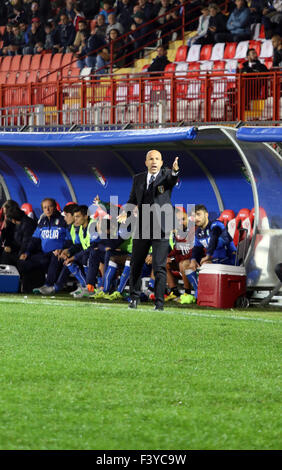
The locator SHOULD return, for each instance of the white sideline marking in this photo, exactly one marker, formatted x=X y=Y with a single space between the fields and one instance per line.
x=168 y=310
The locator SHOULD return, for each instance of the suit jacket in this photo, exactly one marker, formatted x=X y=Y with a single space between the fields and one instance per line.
x=161 y=195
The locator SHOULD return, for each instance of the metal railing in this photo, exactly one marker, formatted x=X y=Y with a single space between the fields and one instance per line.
x=141 y=100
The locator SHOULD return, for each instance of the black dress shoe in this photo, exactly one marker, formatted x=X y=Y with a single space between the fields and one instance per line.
x=133 y=304
x=159 y=308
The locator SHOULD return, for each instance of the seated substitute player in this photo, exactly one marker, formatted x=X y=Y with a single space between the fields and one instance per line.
x=213 y=244
x=180 y=256
x=72 y=245
x=46 y=242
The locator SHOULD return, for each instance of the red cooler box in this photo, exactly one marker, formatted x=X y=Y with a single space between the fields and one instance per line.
x=220 y=285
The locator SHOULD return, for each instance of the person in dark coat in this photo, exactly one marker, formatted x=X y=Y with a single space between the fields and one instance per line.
x=16 y=242
x=159 y=62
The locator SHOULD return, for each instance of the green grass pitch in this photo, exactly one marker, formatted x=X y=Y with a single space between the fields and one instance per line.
x=86 y=375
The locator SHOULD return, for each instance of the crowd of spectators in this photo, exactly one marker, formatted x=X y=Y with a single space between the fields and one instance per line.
x=83 y=26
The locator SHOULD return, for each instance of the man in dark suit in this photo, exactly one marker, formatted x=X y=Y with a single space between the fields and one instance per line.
x=151 y=193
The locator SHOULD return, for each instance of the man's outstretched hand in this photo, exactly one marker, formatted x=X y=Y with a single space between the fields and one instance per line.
x=175 y=165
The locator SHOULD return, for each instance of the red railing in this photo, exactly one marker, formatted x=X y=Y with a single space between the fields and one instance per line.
x=144 y=100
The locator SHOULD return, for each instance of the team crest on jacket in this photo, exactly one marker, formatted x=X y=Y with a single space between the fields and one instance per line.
x=161 y=189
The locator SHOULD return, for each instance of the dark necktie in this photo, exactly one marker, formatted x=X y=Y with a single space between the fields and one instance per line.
x=152 y=179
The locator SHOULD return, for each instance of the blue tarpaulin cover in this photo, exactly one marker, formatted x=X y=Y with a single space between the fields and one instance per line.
x=259 y=134
x=99 y=138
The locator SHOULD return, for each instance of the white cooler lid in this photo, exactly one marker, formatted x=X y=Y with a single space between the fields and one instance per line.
x=212 y=268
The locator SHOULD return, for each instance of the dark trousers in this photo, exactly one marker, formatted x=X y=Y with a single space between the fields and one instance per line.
x=140 y=249
x=45 y=262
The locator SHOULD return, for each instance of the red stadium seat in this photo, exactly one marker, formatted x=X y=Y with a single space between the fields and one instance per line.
x=32 y=77
x=169 y=70
x=46 y=61
x=67 y=59
x=255 y=45
x=268 y=62
x=15 y=63
x=12 y=77
x=218 y=67
x=35 y=62
x=181 y=54
x=262 y=32
x=218 y=51
x=194 y=69
x=230 y=50
x=22 y=77
x=226 y=216
x=235 y=225
x=3 y=77
x=56 y=61
x=206 y=52
x=25 y=63
x=6 y=63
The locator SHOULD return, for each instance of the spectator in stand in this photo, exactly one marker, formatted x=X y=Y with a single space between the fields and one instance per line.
x=107 y=9
x=82 y=26
x=113 y=24
x=217 y=24
x=35 y=35
x=118 y=51
x=203 y=26
x=238 y=24
x=101 y=26
x=148 y=9
x=191 y=13
x=68 y=10
x=168 y=22
x=65 y=34
x=277 y=50
x=272 y=18
x=19 y=15
x=79 y=15
x=87 y=53
x=50 y=36
x=124 y=12
x=252 y=64
x=7 y=38
x=17 y=41
x=159 y=62
x=90 y=8
x=137 y=35
x=256 y=7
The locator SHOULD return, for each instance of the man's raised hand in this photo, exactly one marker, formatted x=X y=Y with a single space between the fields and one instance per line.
x=175 y=165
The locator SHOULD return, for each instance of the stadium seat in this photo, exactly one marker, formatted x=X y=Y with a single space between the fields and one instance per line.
x=190 y=107
x=67 y=59
x=3 y=77
x=241 y=50
x=206 y=51
x=15 y=63
x=194 y=53
x=266 y=49
x=235 y=225
x=46 y=61
x=230 y=50
x=231 y=66
x=181 y=54
x=169 y=70
x=12 y=77
x=35 y=62
x=2 y=30
x=25 y=63
x=6 y=63
x=218 y=51
x=261 y=32
x=193 y=69
x=219 y=98
x=145 y=67
x=56 y=61
x=255 y=45
x=206 y=66
x=22 y=77
x=32 y=76
x=42 y=75
x=226 y=216
x=268 y=62
x=181 y=69
x=218 y=67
